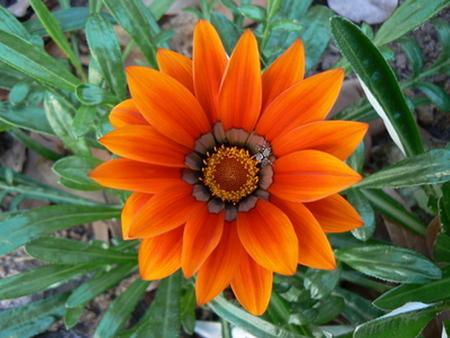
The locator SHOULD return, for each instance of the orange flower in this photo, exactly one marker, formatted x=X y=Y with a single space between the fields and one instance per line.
x=235 y=174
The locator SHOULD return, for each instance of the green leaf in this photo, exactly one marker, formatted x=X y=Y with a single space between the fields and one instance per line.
x=39 y=279
x=253 y=12
x=360 y=110
x=29 y=118
x=30 y=59
x=413 y=53
x=436 y=94
x=9 y=23
x=56 y=33
x=60 y=118
x=70 y=19
x=101 y=282
x=106 y=49
x=26 y=92
x=430 y=167
x=76 y=169
x=409 y=15
x=441 y=249
x=444 y=208
x=120 y=309
x=161 y=38
x=160 y=7
x=328 y=309
x=187 y=310
x=92 y=95
x=390 y=263
x=133 y=16
x=253 y=325
x=67 y=251
x=321 y=282
x=286 y=25
x=405 y=324
x=32 y=224
x=33 y=318
x=443 y=29
x=229 y=33
x=72 y=316
x=426 y=293
x=32 y=144
x=9 y=77
x=357 y=309
x=362 y=205
x=379 y=84
x=83 y=120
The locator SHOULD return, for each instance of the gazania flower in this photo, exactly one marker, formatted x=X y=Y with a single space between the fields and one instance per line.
x=235 y=174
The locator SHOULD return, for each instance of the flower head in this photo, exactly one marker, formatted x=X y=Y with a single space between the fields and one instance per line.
x=235 y=174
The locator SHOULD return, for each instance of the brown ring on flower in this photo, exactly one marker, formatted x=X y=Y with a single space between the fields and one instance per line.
x=229 y=170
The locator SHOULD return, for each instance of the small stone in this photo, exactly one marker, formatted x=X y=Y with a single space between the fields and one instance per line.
x=370 y=11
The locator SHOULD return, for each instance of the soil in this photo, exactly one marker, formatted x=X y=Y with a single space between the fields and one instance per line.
x=434 y=124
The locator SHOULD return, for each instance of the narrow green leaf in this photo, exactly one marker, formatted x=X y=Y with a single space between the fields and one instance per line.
x=33 y=318
x=321 y=282
x=444 y=208
x=441 y=249
x=360 y=110
x=101 y=282
x=160 y=7
x=9 y=77
x=83 y=120
x=357 y=309
x=32 y=144
x=70 y=19
x=279 y=313
x=92 y=95
x=39 y=279
x=436 y=94
x=60 y=118
x=56 y=33
x=120 y=309
x=229 y=33
x=133 y=17
x=76 y=169
x=379 y=84
x=389 y=207
x=405 y=324
x=413 y=53
x=426 y=293
x=106 y=49
x=409 y=15
x=430 y=167
x=32 y=60
x=253 y=12
x=443 y=29
x=9 y=23
x=30 y=118
x=328 y=309
x=362 y=205
x=253 y=325
x=287 y=25
x=390 y=263
x=67 y=251
x=27 y=92
x=187 y=309
x=72 y=316
x=35 y=223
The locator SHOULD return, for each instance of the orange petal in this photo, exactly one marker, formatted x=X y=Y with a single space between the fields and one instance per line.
x=166 y=210
x=132 y=206
x=201 y=236
x=285 y=71
x=145 y=144
x=308 y=175
x=338 y=138
x=160 y=256
x=221 y=266
x=126 y=113
x=307 y=101
x=125 y=174
x=241 y=92
x=167 y=105
x=314 y=249
x=252 y=286
x=335 y=214
x=209 y=62
x=177 y=66
x=268 y=236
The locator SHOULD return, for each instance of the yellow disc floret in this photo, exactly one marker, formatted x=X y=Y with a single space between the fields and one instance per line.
x=230 y=173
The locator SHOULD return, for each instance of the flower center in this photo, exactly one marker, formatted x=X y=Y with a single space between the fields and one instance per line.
x=230 y=173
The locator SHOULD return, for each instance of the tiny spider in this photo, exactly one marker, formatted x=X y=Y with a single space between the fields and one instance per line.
x=263 y=154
